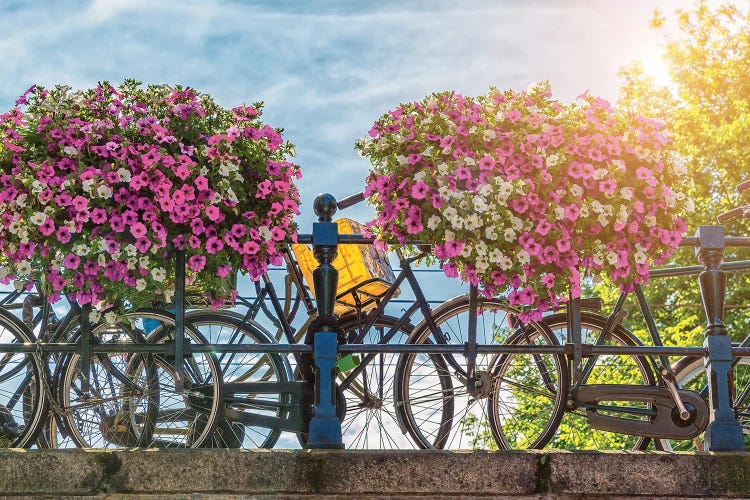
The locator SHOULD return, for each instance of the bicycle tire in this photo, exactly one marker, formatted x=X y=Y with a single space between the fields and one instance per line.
x=109 y=414
x=178 y=420
x=690 y=373
x=225 y=327
x=23 y=402
x=468 y=425
x=371 y=420
x=199 y=405
x=574 y=431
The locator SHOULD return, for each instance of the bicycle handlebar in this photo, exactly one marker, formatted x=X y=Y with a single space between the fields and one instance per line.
x=350 y=200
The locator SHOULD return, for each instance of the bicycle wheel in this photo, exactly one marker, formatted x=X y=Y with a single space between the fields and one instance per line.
x=527 y=400
x=371 y=420
x=23 y=400
x=188 y=418
x=132 y=399
x=440 y=415
x=690 y=373
x=574 y=431
x=118 y=408
x=243 y=407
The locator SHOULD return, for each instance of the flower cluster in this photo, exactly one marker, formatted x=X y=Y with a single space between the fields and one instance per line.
x=521 y=193
x=99 y=187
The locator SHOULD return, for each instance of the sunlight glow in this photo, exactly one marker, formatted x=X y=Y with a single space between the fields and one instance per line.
x=656 y=67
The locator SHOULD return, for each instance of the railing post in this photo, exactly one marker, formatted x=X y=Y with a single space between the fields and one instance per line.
x=179 y=321
x=724 y=432
x=325 y=426
x=84 y=350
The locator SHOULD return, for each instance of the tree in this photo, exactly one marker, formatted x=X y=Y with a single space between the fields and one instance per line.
x=707 y=108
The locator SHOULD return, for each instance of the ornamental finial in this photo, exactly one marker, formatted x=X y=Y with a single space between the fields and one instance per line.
x=325 y=206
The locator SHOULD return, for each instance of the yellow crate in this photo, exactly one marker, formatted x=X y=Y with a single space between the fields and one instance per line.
x=364 y=271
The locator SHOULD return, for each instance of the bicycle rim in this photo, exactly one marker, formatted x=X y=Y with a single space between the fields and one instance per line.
x=186 y=419
x=443 y=414
x=119 y=407
x=23 y=403
x=690 y=373
x=233 y=430
x=371 y=420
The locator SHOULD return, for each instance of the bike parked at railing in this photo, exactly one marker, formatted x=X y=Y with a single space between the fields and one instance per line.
x=386 y=400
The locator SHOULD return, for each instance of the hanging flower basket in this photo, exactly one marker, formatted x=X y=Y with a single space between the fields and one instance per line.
x=521 y=193
x=99 y=187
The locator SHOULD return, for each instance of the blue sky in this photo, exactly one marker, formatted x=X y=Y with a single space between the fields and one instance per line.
x=326 y=69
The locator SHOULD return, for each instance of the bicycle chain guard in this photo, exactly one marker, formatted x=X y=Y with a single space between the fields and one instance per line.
x=665 y=424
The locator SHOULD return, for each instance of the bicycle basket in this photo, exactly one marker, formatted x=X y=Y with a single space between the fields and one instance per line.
x=365 y=275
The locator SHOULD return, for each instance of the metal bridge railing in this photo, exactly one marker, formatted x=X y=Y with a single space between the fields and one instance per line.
x=723 y=432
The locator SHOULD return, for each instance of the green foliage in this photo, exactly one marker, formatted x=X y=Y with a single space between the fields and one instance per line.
x=707 y=108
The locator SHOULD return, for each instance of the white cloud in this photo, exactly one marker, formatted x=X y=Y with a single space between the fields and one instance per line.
x=325 y=70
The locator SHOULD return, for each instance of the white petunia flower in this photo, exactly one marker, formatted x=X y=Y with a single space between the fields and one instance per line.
x=265 y=233
x=110 y=317
x=95 y=316
x=523 y=257
x=505 y=262
x=22 y=267
x=124 y=174
x=612 y=258
x=639 y=257
x=159 y=274
x=38 y=218
x=479 y=204
x=600 y=173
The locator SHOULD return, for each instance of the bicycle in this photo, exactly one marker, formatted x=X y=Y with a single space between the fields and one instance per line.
x=111 y=399
x=651 y=402
x=382 y=396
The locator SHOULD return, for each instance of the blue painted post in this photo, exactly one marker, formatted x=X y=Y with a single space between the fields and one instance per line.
x=325 y=426
x=724 y=432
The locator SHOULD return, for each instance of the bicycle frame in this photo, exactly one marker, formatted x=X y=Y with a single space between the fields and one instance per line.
x=406 y=274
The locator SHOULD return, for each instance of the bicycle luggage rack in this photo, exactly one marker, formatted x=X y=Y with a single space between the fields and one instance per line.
x=722 y=434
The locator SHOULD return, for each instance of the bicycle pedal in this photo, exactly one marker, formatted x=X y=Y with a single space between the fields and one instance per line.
x=663 y=415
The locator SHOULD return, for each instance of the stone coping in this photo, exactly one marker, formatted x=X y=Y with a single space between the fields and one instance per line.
x=437 y=474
